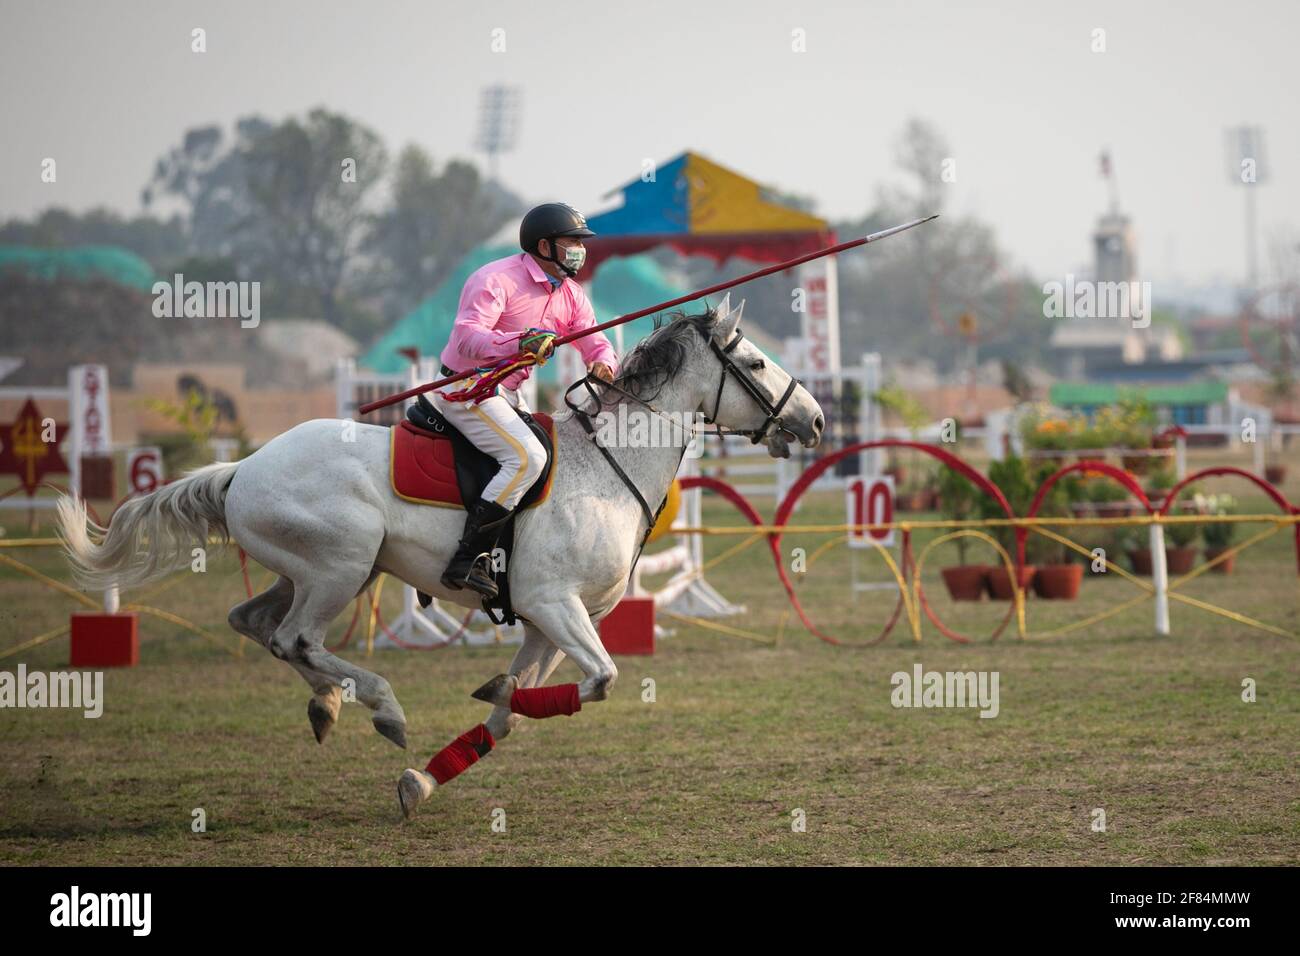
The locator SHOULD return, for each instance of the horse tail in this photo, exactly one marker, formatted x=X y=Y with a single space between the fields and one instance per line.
x=147 y=537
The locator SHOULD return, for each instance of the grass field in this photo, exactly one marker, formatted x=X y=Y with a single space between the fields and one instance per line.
x=1150 y=729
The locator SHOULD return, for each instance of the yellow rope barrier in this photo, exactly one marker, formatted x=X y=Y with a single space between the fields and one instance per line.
x=715 y=626
x=35 y=641
x=909 y=605
x=756 y=533
x=1230 y=615
x=1040 y=526
x=49 y=581
x=374 y=614
x=1017 y=591
x=1138 y=521
x=1197 y=572
x=1136 y=581
x=181 y=622
x=1095 y=619
x=731 y=552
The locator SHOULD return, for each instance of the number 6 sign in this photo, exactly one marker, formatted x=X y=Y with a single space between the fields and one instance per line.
x=144 y=470
x=871 y=501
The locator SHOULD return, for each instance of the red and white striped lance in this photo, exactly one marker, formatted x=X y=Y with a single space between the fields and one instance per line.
x=508 y=365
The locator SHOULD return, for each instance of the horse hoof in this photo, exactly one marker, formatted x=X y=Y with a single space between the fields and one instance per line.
x=394 y=730
x=498 y=690
x=322 y=721
x=413 y=788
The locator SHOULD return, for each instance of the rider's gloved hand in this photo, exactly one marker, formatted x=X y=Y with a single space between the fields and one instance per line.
x=541 y=342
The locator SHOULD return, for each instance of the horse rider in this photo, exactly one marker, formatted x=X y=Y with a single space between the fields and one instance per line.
x=521 y=302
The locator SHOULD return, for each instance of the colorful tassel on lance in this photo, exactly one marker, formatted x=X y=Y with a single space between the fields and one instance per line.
x=494 y=375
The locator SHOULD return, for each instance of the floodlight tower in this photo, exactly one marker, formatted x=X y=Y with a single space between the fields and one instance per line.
x=1246 y=167
x=498 y=122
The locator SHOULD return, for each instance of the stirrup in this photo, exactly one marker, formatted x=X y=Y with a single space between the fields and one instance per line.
x=480 y=579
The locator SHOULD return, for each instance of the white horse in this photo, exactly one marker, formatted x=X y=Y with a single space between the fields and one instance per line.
x=315 y=506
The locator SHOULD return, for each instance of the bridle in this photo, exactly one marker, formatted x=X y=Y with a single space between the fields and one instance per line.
x=729 y=366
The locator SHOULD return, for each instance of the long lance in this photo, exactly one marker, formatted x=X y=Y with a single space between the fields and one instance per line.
x=659 y=307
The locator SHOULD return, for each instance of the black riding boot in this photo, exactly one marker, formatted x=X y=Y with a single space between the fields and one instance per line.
x=472 y=565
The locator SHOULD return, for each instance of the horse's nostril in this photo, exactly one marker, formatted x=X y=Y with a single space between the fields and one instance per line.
x=819 y=423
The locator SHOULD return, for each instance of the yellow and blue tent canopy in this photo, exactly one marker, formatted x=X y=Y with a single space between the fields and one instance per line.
x=699 y=207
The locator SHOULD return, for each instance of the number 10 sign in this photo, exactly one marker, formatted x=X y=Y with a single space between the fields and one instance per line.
x=870 y=500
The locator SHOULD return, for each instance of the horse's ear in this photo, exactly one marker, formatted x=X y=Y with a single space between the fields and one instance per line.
x=726 y=319
x=719 y=311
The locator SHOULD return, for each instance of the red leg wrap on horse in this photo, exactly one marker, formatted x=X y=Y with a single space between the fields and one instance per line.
x=460 y=754
x=546 y=701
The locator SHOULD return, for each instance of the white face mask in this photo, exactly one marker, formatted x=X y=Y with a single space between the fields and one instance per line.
x=574 y=257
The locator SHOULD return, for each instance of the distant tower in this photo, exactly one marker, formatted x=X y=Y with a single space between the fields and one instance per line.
x=498 y=123
x=1090 y=346
x=1114 y=245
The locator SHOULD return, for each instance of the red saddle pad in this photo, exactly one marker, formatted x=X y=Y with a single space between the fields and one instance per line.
x=422 y=467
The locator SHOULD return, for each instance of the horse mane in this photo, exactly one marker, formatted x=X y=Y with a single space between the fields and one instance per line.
x=658 y=357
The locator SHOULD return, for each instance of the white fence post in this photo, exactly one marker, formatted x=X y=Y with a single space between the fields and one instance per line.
x=1160 y=577
x=869 y=413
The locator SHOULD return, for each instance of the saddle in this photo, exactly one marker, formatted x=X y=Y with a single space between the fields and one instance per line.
x=432 y=463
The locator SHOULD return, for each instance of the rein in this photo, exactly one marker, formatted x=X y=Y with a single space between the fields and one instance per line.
x=585 y=420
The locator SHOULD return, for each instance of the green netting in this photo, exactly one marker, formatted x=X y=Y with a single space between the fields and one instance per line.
x=80 y=263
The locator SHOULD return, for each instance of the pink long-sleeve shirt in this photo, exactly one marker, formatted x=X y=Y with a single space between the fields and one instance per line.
x=504 y=298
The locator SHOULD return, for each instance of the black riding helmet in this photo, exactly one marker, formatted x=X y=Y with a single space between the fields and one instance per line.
x=550 y=221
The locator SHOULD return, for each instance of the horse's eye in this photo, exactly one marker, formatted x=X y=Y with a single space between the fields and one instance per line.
x=757 y=366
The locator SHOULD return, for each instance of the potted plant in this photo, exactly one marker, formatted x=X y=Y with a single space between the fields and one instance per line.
x=1109 y=499
x=917 y=493
x=1012 y=476
x=1094 y=437
x=1180 y=549
x=1060 y=576
x=1045 y=433
x=965 y=582
x=1218 y=535
x=1159 y=483
x=1133 y=423
x=1135 y=543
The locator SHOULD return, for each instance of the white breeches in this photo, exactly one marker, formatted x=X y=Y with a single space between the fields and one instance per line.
x=495 y=427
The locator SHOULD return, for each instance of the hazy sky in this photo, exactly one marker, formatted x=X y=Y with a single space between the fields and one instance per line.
x=106 y=87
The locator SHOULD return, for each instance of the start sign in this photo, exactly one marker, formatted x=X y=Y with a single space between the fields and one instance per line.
x=870 y=500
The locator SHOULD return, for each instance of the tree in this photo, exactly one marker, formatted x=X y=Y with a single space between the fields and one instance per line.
x=902 y=297
x=432 y=221
x=311 y=216
x=209 y=180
